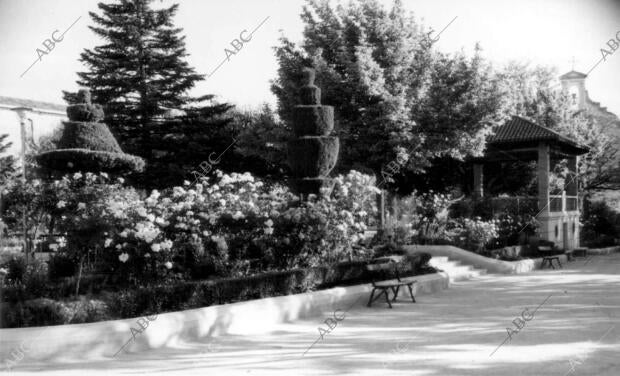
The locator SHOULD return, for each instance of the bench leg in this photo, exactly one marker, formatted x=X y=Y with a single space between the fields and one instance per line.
x=559 y=263
x=411 y=293
x=372 y=294
x=387 y=298
x=395 y=291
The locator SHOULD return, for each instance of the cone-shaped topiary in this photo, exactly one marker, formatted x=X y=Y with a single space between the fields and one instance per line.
x=87 y=144
x=312 y=153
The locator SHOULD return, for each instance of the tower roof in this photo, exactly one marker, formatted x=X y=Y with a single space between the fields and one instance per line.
x=573 y=75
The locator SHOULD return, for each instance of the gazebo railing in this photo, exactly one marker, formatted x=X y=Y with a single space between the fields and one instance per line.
x=529 y=204
x=558 y=203
x=555 y=203
x=516 y=204
x=572 y=203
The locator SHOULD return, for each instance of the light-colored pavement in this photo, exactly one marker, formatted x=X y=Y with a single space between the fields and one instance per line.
x=453 y=332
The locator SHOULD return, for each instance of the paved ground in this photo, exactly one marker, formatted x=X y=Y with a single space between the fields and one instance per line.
x=450 y=333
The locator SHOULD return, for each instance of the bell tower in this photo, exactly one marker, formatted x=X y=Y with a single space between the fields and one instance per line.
x=575 y=84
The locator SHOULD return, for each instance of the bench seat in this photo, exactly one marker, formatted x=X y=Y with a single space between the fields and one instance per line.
x=395 y=282
x=383 y=271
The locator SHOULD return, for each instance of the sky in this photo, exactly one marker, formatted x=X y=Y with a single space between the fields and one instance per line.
x=547 y=32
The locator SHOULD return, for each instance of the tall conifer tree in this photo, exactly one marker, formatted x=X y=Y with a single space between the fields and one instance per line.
x=141 y=78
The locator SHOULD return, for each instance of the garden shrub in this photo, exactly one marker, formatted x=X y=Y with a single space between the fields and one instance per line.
x=475 y=234
x=123 y=303
x=59 y=289
x=386 y=249
x=35 y=278
x=61 y=266
x=514 y=229
x=601 y=224
x=421 y=218
x=36 y=312
x=419 y=262
x=16 y=268
x=45 y=311
x=492 y=223
x=86 y=310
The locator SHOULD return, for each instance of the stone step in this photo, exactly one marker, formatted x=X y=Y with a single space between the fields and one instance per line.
x=455 y=269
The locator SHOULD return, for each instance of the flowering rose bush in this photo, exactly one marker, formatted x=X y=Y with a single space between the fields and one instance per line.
x=109 y=226
x=324 y=231
x=224 y=225
x=475 y=233
x=433 y=205
x=244 y=225
x=511 y=227
x=424 y=219
x=235 y=225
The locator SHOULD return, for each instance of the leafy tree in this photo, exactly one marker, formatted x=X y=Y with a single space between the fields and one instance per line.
x=141 y=77
x=396 y=99
x=7 y=163
x=7 y=173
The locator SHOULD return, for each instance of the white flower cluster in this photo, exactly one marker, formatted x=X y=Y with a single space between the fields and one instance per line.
x=146 y=231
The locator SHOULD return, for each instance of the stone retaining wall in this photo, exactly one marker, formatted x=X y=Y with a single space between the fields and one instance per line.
x=104 y=339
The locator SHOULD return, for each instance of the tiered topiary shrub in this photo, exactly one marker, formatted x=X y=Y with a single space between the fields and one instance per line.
x=313 y=152
x=87 y=144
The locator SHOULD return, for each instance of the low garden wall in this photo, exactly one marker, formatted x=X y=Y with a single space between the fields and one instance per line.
x=104 y=339
x=604 y=251
x=481 y=262
x=492 y=265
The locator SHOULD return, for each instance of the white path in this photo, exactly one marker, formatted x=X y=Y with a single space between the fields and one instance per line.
x=450 y=333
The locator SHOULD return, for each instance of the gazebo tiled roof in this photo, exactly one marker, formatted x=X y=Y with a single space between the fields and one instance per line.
x=522 y=131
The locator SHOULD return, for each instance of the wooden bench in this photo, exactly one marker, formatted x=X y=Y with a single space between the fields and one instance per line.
x=385 y=278
x=550 y=254
x=549 y=260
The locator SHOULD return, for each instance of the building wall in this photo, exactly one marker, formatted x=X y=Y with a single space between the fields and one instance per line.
x=43 y=124
x=552 y=228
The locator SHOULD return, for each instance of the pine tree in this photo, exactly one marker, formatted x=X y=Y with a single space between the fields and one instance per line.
x=141 y=78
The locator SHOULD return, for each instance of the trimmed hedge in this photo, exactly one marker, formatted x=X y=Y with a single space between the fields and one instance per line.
x=91 y=136
x=43 y=312
x=90 y=160
x=115 y=303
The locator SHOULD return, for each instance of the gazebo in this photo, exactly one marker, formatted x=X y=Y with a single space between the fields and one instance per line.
x=524 y=140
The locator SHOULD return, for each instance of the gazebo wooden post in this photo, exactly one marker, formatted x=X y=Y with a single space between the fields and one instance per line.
x=572 y=190
x=543 y=178
x=572 y=186
x=544 y=211
x=478 y=180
